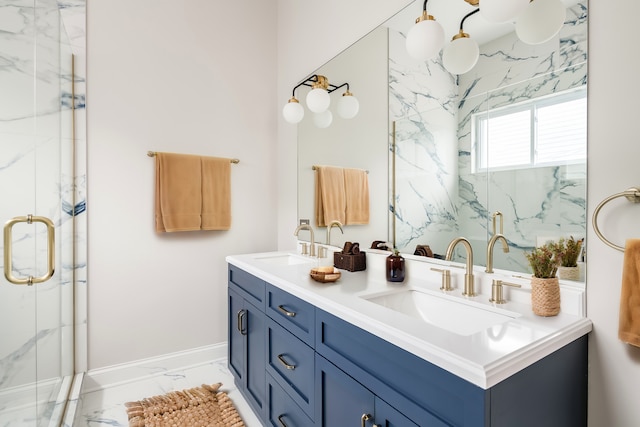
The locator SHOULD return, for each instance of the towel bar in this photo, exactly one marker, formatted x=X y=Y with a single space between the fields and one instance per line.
x=153 y=154
x=632 y=195
x=315 y=167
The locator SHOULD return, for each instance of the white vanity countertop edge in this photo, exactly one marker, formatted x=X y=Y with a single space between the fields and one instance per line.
x=481 y=358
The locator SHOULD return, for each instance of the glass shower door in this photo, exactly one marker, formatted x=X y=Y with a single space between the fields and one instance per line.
x=36 y=180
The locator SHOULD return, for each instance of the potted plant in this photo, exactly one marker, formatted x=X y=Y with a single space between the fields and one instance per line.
x=569 y=250
x=545 y=288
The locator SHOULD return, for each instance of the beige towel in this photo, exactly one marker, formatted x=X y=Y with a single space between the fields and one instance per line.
x=216 y=193
x=356 y=184
x=178 y=204
x=629 y=326
x=330 y=195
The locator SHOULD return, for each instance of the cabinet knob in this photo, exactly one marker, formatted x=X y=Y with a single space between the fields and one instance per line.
x=365 y=418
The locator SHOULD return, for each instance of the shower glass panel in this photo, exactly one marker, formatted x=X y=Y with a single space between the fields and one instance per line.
x=36 y=178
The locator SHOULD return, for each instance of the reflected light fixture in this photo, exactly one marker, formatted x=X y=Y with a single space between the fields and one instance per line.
x=318 y=101
x=536 y=22
x=426 y=37
x=541 y=21
x=462 y=54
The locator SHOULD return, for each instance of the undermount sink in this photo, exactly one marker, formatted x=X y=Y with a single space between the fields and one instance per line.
x=460 y=317
x=284 y=259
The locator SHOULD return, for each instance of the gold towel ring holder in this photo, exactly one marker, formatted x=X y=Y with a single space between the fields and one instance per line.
x=632 y=195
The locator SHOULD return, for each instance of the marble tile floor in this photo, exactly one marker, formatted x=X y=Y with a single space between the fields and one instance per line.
x=105 y=407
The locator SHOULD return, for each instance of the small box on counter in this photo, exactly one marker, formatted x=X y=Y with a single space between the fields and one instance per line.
x=351 y=258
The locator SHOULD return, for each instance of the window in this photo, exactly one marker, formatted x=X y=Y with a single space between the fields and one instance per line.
x=542 y=132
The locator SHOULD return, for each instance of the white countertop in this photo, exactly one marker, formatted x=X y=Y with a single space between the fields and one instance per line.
x=483 y=358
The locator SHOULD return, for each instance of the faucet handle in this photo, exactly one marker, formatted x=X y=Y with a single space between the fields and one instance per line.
x=304 y=250
x=496 y=291
x=446 y=278
x=322 y=251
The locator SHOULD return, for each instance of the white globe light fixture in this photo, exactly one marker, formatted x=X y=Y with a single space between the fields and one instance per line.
x=293 y=112
x=462 y=54
x=425 y=38
x=541 y=21
x=318 y=98
x=323 y=120
x=348 y=105
x=498 y=11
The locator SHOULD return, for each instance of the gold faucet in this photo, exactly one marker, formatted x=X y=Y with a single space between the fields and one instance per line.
x=468 y=276
x=334 y=223
x=312 y=250
x=492 y=243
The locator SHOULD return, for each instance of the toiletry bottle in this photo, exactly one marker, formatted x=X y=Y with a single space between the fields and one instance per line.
x=395 y=267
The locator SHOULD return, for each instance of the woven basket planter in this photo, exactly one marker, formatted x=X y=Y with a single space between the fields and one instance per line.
x=545 y=296
x=569 y=273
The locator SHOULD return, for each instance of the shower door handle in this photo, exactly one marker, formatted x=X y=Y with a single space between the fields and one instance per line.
x=8 y=267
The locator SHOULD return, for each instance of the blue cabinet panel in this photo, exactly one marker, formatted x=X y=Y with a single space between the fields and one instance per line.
x=291 y=362
x=236 y=337
x=551 y=393
x=294 y=314
x=387 y=416
x=256 y=377
x=342 y=401
x=282 y=411
x=407 y=382
x=250 y=287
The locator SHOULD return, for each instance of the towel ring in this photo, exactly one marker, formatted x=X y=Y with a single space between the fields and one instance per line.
x=632 y=195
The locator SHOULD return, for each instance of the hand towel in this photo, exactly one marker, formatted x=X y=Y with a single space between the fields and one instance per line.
x=356 y=183
x=216 y=193
x=330 y=195
x=178 y=204
x=629 y=322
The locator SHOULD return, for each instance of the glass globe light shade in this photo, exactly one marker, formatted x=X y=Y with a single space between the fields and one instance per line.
x=293 y=111
x=461 y=55
x=497 y=11
x=348 y=106
x=541 y=21
x=425 y=39
x=318 y=100
x=323 y=120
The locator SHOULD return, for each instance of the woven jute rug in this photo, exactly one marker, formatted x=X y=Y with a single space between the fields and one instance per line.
x=204 y=406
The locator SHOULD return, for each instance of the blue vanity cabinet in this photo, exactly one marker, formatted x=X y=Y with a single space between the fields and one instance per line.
x=550 y=392
x=342 y=401
x=247 y=337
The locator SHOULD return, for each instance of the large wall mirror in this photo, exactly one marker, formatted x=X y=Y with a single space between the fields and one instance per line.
x=446 y=153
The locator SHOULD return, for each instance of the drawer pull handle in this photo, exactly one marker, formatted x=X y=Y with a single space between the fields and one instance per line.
x=280 y=417
x=286 y=312
x=365 y=418
x=240 y=325
x=285 y=364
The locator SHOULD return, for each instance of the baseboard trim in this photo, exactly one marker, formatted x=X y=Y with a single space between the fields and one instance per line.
x=116 y=375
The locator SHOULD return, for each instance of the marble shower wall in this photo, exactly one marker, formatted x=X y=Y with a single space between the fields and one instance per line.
x=37 y=177
x=537 y=203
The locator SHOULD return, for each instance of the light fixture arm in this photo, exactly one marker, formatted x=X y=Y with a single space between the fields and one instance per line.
x=314 y=80
x=468 y=15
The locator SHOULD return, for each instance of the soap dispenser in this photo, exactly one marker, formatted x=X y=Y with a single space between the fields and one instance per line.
x=395 y=267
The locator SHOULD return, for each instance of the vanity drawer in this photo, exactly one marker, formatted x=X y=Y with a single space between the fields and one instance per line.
x=282 y=411
x=247 y=285
x=294 y=314
x=291 y=363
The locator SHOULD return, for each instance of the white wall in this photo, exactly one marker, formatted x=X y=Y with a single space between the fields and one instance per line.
x=193 y=76
x=614 y=151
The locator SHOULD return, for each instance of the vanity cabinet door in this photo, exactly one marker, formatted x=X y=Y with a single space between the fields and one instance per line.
x=247 y=350
x=341 y=400
x=387 y=416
